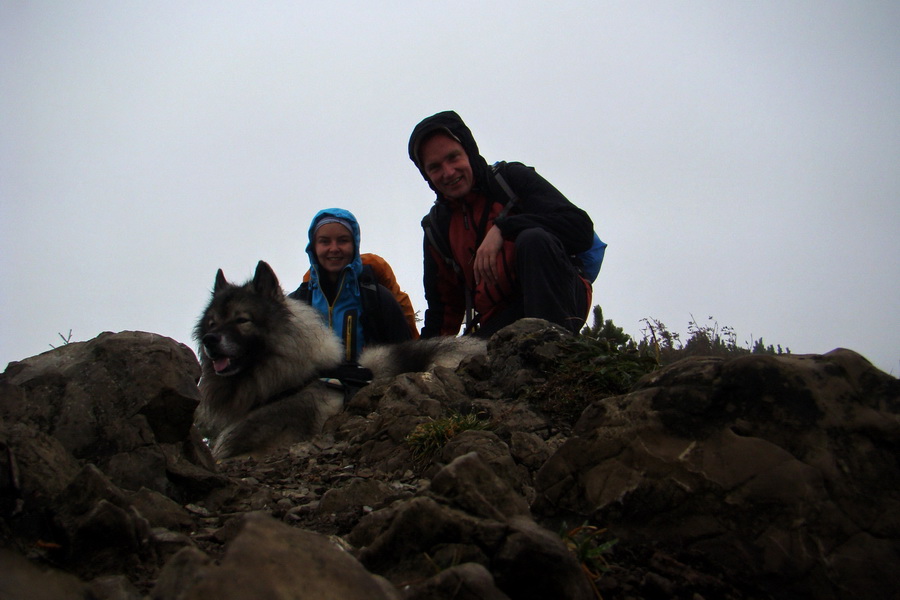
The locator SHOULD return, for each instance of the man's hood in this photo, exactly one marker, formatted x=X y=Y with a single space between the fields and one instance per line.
x=345 y=215
x=451 y=124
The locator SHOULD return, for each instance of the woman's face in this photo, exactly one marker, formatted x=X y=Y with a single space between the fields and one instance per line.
x=334 y=248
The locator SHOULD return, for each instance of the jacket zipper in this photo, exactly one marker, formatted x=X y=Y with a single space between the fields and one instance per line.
x=337 y=294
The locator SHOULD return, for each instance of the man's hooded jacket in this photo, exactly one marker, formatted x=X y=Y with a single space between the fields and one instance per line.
x=455 y=228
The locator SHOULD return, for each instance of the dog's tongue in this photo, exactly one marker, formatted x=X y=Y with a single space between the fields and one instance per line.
x=220 y=364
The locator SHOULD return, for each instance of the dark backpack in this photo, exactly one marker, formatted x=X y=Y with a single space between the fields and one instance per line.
x=589 y=260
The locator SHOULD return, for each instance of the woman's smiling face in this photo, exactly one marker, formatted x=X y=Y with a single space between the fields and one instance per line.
x=334 y=248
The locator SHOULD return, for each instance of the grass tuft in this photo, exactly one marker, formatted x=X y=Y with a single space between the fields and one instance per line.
x=429 y=438
x=586 y=544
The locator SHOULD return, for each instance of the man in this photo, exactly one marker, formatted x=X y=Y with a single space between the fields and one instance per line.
x=488 y=257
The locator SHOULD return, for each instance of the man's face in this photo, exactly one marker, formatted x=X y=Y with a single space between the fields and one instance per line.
x=334 y=248
x=447 y=166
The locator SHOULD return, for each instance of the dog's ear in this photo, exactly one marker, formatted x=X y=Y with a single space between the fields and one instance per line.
x=265 y=282
x=221 y=283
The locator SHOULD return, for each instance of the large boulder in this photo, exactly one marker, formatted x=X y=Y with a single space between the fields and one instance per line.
x=778 y=469
x=98 y=454
x=268 y=559
x=123 y=401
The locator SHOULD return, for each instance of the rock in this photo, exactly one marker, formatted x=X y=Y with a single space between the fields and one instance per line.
x=21 y=580
x=182 y=571
x=468 y=581
x=520 y=353
x=159 y=510
x=113 y=587
x=113 y=400
x=472 y=516
x=774 y=467
x=80 y=389
x=401 y=541
x=533 y=564
x=756 y=477
x=529 y=449
x=470 y=484
x=109 y=538
x=355 y=495
x=37 y=467
x=492 y=451
x=271 y=560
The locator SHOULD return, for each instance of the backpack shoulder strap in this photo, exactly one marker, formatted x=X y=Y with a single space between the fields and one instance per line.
x=302 y=293
x=513 y=198
x=368 y=290
x=438 y=239
x=368 y=279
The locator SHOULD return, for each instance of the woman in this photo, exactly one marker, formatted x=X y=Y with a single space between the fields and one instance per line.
x=345 y=291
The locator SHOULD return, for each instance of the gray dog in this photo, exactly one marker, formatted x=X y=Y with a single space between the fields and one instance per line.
x=262 y=355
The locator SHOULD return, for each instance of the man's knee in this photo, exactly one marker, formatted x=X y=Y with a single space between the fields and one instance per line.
x=536 y=241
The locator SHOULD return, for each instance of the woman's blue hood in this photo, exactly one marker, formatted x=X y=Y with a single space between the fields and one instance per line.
x=356 y=264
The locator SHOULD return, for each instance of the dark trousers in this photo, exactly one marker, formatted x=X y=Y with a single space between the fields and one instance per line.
x=551 y=287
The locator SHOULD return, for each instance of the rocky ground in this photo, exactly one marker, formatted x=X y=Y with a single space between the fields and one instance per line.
x=755 y=477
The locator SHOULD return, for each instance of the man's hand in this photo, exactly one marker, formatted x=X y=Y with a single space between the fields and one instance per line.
x=485 y=267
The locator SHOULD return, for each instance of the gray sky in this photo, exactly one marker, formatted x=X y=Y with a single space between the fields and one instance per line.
x=742 y=159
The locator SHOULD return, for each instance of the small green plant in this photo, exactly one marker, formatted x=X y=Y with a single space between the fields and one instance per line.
x=603 y=361
x=428 y=438
x=586 y=544
x=613 y=337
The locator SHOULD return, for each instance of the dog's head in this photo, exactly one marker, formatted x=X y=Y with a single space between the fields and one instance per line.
x=235 y=328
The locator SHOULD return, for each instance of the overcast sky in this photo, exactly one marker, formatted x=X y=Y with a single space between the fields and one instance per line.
x=741 y=159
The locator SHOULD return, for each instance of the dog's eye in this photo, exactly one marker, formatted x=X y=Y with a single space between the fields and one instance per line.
x=241 y=320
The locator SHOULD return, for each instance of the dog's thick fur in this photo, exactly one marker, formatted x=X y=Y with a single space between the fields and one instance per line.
x=261 y=354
